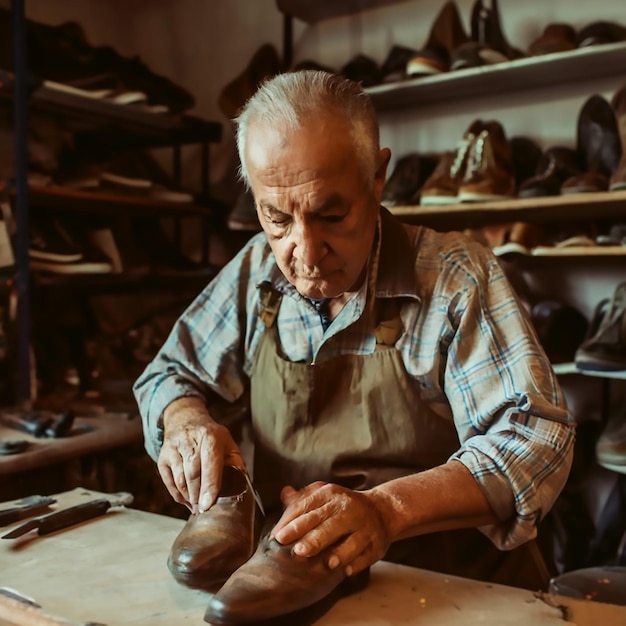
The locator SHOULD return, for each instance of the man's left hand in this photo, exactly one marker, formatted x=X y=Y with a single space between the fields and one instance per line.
x=323 y=515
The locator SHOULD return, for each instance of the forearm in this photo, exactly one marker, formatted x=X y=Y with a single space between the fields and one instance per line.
x=442 y=498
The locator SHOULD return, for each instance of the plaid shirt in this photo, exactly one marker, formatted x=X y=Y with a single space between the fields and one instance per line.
x=467 y=343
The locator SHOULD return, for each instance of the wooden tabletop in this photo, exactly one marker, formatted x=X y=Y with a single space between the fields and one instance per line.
x=88 y=435
x=112 y=570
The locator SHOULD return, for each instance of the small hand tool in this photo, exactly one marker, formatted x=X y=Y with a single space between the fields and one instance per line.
x=25 y=508
x=64 y=518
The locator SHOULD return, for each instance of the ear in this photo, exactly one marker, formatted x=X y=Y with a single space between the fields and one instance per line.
x=384 y=156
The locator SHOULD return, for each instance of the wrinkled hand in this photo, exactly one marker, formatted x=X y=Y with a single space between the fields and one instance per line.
x=194 y=451
x=323 y=515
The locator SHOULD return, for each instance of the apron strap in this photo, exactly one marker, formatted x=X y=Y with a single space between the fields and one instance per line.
x=270 y=303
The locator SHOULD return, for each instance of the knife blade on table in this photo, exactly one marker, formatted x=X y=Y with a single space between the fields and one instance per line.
x=25 y=508
x=71 y=516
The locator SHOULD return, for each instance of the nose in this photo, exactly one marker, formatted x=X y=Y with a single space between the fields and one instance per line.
x=309 y=246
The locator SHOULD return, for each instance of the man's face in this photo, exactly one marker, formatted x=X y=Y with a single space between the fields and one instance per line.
x=316 y=207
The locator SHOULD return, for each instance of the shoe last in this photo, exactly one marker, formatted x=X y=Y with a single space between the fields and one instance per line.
x=274 y=582
x=213 y=544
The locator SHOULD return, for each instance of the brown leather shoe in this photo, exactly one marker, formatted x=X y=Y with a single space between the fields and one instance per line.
x=490 y=173
x=442 y=186
x=558 y=37
x=275 y=582
x=213 y=544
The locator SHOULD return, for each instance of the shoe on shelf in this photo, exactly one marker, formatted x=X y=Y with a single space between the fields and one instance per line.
x=605 y=350
x=489 y=172
x=49 y=242
x=474 y=54
x=407 y=178
x=486 y=28
x=213 y=544
x=447 y=33
x=561 y=329
x=362 y=69
x=526 y=156
x=556 y=165
x=601 y=32
x=618 y=104
x=442 y=186
x=597 y=137
x=556 y=37
x=394 y=66
x=611 y=443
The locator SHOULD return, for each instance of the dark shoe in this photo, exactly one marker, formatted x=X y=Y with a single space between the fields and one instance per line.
x=474 y=54
x=597 y=136
x=611 y=443
x=556 y=165
x=442 y=186
x=407 y=178
x=213 y=544
x=486 y=29
x=446 y=34
x=598 y=33
x=618 y=104
x=561 y=329
x=585 y=182
x=362 y=69
x=605 y=351
x=555 y=38
x=274 y=582
x=394 y=66
x=489 y=173
x=526 y=157
x=264 y=64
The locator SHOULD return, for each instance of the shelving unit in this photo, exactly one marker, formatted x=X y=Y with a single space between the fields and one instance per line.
x=523 y=74
x=107 y=126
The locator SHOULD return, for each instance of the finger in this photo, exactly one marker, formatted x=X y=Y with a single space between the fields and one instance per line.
x=299 y=502
x=168 y=480
x=191 y=471
x=210 y=478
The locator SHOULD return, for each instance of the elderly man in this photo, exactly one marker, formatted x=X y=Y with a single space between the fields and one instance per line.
x=399 y=398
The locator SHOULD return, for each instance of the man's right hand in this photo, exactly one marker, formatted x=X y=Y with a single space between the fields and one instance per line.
x=194 y=451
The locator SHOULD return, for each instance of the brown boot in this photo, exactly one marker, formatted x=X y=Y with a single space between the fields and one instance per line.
x=618 y=103
x=490 y=173
x=442 y=186
x=446 y=35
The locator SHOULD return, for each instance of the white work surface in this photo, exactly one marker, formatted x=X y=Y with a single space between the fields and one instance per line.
x=112 y=570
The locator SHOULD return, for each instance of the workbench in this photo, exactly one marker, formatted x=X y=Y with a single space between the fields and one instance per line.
x=112 y=570
x=103 y=451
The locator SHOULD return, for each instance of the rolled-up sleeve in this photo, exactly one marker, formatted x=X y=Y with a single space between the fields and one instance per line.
x=516 y=432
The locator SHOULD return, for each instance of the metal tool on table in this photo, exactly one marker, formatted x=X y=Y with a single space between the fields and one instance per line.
x=26 y=507
x=71 y=516
x=39 y=423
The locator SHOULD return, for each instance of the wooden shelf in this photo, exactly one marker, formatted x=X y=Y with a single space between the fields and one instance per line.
x=568 y=208
x=567 y=369
x=523 y=74
x=64 y=199
x=84 y=113
x=316 y=11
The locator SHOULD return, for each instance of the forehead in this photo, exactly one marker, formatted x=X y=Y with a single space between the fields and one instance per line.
x=321 y=146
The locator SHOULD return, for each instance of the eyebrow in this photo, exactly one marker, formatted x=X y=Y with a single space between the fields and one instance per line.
x=333 y=201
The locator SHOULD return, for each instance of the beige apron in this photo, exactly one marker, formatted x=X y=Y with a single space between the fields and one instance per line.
x=358 y=421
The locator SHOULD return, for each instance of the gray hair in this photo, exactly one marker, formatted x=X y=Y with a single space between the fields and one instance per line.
x=288 y=100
